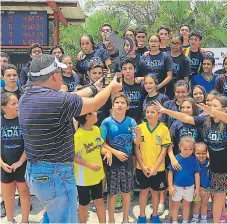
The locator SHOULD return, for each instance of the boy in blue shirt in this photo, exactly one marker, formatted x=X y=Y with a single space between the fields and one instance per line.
x=206 y=78
x=120 y=133
x=184 y=183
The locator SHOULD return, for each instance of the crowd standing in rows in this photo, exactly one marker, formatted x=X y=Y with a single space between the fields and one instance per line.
x=160 y=125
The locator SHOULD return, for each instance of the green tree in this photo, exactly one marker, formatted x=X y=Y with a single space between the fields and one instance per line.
x=70 y=36
x=210 y=18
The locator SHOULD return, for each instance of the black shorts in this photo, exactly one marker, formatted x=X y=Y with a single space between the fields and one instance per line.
x=119 y=180
x=157 y=182
x=17 y=176
x=86 y=193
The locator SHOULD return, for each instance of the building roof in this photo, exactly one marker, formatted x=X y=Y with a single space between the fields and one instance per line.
x=70 y=9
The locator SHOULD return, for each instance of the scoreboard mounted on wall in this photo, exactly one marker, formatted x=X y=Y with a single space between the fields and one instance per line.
x=23 y=28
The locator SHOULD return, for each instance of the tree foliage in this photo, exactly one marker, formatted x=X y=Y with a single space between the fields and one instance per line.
x=209 y=17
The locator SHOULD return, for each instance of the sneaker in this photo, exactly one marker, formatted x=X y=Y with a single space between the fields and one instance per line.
x=3 y=210
x=168 y=219
x=118 y=204
x=93 y=209
x=195 y=220
x=161 y=209
x=203 y=221
x=10 y=222
x=155 y=219
x=223 y=218
x=142 y=220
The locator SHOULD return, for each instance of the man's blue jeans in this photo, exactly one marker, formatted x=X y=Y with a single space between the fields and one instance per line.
x=54 y=185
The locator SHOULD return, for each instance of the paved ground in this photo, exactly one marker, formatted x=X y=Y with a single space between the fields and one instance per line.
x=36 y=213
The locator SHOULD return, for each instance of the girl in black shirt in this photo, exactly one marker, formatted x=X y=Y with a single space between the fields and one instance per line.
x=13 y=158
x=159 y=63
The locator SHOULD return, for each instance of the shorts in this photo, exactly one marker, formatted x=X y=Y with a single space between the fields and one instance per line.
x=119 y=180
x=218 y=182
x=185 y=193
x=86 y=193
x=17 y=176
x=157 y=182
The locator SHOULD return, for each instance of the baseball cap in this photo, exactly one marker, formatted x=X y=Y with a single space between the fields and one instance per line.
x=45 y=64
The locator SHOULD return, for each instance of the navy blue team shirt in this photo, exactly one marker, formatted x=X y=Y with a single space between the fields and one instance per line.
x=216 y=141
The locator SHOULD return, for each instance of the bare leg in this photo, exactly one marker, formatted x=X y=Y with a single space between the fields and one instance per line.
x=143 y=201
x=100 y=209
x=186 y=209
x=204 y=205
x=196 y=208
x=82 y=212
x=9 y=196
x=25 y=200
x=170 y=208
x=155 y=202
x=111 y=207
x=175 y=210
x=224 y=212
x=162 y=197
x=218 y=200
x=126 y=197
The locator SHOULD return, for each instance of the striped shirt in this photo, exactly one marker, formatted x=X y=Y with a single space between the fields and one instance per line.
x=45 y=117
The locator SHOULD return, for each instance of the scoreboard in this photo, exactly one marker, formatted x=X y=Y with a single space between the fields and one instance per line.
x=23 y=28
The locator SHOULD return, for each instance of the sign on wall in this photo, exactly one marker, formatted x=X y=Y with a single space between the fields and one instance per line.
x=219 y=55
x=23 y=28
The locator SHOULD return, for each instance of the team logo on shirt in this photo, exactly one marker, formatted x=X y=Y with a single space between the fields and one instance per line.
x=90 y=147
x=158 y=140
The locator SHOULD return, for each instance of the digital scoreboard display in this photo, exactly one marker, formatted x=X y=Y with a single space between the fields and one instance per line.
x=23 y=28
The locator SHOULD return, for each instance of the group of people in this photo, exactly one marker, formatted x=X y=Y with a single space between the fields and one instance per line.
x=159 y=125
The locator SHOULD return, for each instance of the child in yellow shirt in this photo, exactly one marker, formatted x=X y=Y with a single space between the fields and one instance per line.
x=88 y=166
x=150 y=156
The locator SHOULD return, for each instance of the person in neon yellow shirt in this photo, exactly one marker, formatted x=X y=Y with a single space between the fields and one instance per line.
x=88 y=166
x=150 y=156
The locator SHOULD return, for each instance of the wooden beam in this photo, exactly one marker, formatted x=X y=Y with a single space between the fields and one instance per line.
x=37 y=4
x=51 y=18
x=56 y=29
x=52 y=4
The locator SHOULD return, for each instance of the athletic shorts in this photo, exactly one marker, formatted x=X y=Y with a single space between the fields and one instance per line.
x=119 y=180
x=86 y=193
x=17 y=176
x=157 y=182
x=185 y=193
x=218 y=182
